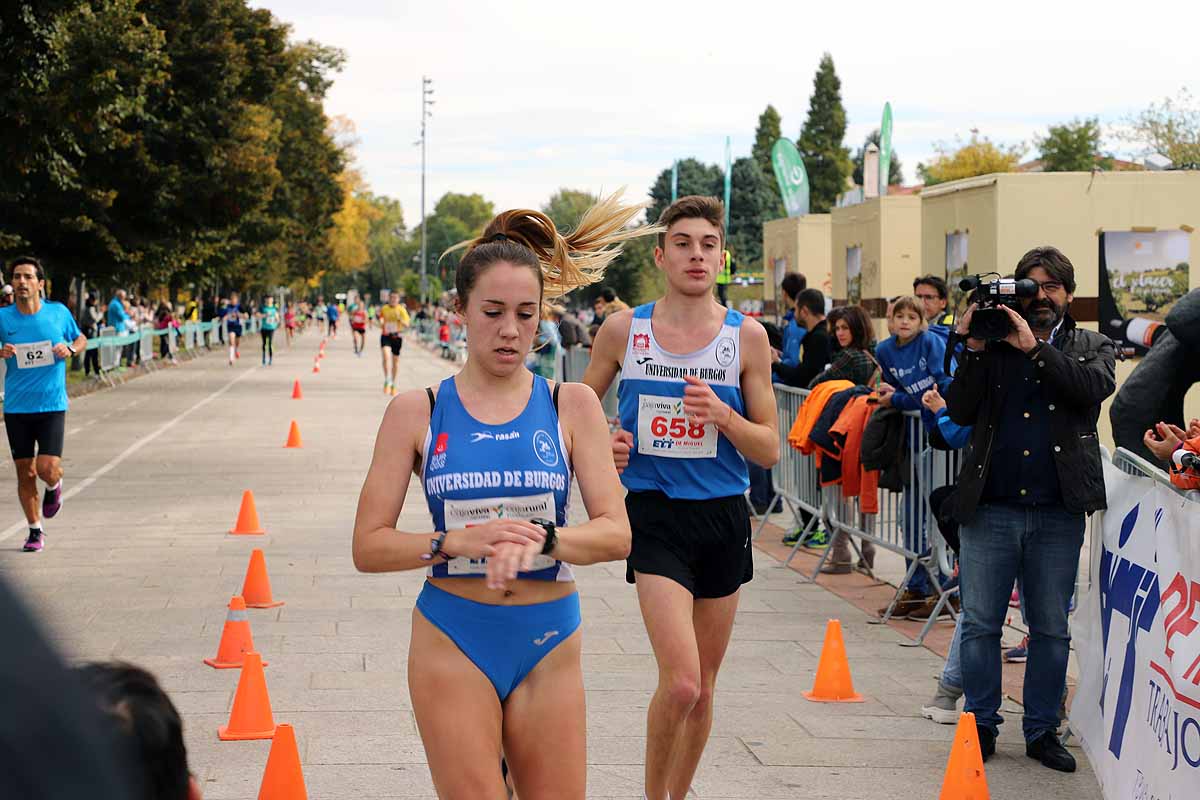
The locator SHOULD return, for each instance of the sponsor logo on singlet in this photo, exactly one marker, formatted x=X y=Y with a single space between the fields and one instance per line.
x=438 y=459
x=544 y=449
x=480 y=436
x=641 y=343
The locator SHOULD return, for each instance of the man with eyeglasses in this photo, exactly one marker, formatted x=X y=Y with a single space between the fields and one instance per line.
x=932 y=291
x=1029 y=478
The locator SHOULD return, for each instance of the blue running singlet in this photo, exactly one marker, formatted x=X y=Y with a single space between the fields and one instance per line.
x=473 y=473
x=671 y=455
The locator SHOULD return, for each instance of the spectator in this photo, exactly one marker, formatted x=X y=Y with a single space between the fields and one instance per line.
x=570 y=330
x=815 y=349
x=117 y=316
x=792 y=285
x=933 y=294
x=1029 y=477
x=612 y=303
x=164 y=320
x=853 y=358
x=6 y=296
x=150 y=725
x=93 y=321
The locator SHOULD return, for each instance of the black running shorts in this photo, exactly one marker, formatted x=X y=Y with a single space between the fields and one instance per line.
x=45 y=430
x=393 y=341
x=703 y=545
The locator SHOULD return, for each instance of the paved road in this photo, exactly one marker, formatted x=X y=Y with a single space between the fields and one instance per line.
x=138 y=566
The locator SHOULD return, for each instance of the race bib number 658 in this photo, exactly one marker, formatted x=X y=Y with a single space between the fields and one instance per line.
x=665 y=430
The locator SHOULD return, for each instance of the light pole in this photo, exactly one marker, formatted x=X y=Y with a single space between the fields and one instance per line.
x=426 y=102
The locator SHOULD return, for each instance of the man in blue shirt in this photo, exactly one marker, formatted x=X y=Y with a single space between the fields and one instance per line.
x=38 y=337
x=332 y=312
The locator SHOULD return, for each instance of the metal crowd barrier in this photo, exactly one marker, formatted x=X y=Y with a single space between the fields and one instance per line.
x=797 y=486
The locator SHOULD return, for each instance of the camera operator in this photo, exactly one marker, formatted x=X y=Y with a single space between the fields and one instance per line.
x=1030 y=475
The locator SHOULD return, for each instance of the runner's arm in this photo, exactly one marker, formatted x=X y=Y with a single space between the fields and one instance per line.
x=607 y=350
x=377 y=545
x=605 y=536
x=756 y=435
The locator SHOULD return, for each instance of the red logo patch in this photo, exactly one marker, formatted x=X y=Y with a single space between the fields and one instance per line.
x=641 y=341
x=443 y=441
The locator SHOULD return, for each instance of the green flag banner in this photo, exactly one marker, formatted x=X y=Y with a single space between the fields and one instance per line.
x=792 y=177
x=885 y=148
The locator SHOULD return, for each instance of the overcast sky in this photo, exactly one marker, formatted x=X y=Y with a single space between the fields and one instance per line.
x=531 y=97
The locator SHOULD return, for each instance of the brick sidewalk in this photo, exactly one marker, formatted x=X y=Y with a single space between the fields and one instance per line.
x=139 y=567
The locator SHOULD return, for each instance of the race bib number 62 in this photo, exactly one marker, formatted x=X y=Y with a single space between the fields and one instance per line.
x=665 y=430
x=34 y=354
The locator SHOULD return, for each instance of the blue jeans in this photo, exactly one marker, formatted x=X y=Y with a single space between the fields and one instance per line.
x=952 y=672
x=1040 y=546
x=913 y=524
x=761 y=491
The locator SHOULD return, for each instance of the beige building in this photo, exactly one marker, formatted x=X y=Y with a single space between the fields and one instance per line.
x=875 y=252
x=795 y=244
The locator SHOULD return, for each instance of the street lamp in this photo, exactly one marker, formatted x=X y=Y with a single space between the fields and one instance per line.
x=426 y=102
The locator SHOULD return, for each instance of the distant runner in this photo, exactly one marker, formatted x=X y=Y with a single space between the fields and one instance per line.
x=358 y=327
x=269 y=314
x=232 y=314
x=394 y=317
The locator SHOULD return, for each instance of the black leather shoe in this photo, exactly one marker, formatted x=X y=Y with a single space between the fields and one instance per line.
x=1047 y=750
x=987 y=742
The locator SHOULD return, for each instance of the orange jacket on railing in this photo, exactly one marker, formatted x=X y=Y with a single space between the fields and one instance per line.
x=856 y=481
x=810 y=411
x=1187 y=479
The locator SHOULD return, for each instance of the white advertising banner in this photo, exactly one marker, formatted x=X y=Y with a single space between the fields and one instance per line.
x=1137 y=636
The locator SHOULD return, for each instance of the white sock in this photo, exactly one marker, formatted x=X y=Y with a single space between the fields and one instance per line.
x=35 y=526
x=55 y=486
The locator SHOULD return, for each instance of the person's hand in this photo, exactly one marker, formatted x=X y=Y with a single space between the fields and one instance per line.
x=7 y=351
x=481 y=541
x=964 y=326
x=1020 y=337
x=61 y=350
x=702 y=405
x=933 y=400
x=622 y=445
x=885 y=390
x=509 y=559
x=1163 y=440
x=1193 y=429
x=776 y=356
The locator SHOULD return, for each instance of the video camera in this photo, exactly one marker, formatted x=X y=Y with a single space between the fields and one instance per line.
x=989 y=322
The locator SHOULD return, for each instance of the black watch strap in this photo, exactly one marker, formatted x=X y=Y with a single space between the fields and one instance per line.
x=551 y=535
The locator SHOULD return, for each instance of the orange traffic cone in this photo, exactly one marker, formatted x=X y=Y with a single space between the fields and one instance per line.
x=316 y=365
x=256 y=589
x=293 y=439
x=236 y=640
x=833 y=684
x=965 y=778
x=296 y=393
x=283 y=779
x=251 y=715
x=247 y=519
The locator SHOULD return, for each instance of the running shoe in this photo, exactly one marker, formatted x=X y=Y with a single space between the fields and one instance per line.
x=791 y=538
x=52 y=500
x=817 y=540
x=35 y=542
x=1018 y=654
x=387 y=387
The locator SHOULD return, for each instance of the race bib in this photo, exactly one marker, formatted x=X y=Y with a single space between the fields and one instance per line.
x=465 y=513
x=34 y=354
x=391 y=327
x=664 y=430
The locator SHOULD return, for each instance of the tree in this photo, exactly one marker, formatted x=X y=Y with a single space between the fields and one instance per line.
x=1170 y=128
x=1073 y=147
x=895 y=176
x=768 y=132
x=631 y=274
x=348 y=238
x=694 y=178
x=471 y=209
x=820 y=144
x=751 y=203
x=979 y=156
x=567 y=206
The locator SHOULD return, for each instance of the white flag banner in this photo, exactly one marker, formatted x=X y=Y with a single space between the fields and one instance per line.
x=1137 y=636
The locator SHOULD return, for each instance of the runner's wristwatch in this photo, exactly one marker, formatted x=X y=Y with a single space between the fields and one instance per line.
x=551 y=535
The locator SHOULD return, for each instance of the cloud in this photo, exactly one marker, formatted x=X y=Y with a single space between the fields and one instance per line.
x=531 y=97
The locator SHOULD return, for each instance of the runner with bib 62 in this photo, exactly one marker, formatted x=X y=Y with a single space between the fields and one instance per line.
x=494 y=665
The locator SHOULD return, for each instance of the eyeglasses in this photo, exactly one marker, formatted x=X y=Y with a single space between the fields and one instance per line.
x=1049 y=287
x=928 y=297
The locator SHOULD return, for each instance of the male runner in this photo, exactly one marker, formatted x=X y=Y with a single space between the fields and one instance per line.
x=394 y=319
x=358 y=327
x=332 y=313
x=39 y=336
x=695 y=402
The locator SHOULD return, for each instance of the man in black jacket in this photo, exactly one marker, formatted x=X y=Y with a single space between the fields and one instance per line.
x=1030 y=475
x=814 y=348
